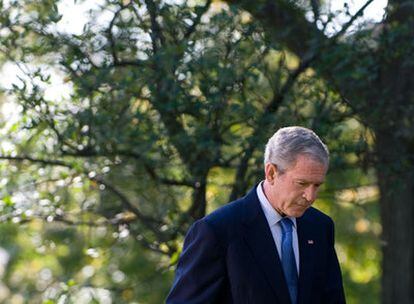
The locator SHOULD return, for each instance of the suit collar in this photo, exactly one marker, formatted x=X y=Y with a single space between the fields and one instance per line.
x=259 y=238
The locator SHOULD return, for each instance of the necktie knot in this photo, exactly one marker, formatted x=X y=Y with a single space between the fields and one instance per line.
x=286 y=224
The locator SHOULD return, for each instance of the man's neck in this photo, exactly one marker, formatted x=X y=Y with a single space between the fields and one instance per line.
x=265 y=188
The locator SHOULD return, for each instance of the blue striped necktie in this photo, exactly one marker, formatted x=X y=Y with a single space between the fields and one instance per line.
x=288 y=259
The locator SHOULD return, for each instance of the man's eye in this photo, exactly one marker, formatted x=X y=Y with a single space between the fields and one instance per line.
x=301 y=183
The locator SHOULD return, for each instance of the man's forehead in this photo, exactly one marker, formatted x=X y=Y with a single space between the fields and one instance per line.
x=304 y=163
x=308 y=170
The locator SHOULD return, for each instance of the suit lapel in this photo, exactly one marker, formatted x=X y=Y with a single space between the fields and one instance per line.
x=307 y=245
x=260 y=241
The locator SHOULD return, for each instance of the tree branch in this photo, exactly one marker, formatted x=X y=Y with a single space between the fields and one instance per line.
x=358 y=14
x=111 y=36
x=156 y=34
x=36 y=160
x=148 y=221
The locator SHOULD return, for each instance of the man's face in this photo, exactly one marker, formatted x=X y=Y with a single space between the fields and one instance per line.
x=294 y=191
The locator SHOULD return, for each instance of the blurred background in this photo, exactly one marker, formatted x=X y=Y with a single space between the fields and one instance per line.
x=124 y=121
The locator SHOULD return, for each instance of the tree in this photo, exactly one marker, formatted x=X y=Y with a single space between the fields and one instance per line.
x=168 y=110
x=372 y=71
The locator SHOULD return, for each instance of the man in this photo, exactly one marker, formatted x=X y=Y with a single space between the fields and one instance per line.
x=270 y=246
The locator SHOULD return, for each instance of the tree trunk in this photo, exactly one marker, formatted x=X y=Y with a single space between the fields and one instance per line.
x=199 y=201
x=396 y=183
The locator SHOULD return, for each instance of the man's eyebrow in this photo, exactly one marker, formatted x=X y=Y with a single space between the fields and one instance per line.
x=309 y=182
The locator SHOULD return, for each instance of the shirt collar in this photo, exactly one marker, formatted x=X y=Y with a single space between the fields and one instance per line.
x=272 y=216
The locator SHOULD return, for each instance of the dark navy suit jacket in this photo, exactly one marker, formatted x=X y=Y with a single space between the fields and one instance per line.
x=230 y=256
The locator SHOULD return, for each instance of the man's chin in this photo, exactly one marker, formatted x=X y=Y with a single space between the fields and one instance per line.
x=299 y=211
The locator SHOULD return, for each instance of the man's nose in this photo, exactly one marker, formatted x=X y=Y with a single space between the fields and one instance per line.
x=310 y=193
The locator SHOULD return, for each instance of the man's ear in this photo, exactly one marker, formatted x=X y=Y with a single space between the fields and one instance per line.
x=270 y=172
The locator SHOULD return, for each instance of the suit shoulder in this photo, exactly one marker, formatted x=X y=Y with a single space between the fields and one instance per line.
x=316 y=215
x=226 y=220
x=228 y=213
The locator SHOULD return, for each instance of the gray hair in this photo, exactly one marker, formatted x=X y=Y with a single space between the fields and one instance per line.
x=288 y=143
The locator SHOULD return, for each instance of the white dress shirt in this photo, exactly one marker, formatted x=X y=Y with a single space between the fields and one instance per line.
x=273 y=218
